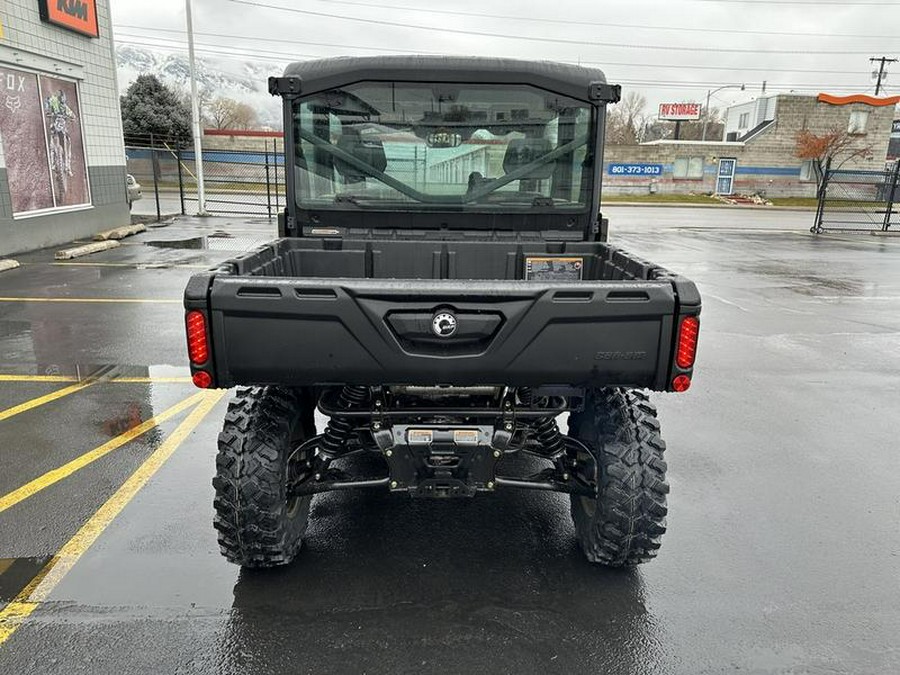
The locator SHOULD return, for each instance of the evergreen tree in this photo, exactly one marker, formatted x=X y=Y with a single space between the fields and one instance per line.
x=149 y=107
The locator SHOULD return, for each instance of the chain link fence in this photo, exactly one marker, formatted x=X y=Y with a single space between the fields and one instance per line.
x=858 y=201
x=237 y=182
x=244 y=182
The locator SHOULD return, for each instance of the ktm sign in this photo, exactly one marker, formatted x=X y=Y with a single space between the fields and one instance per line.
x=77 y=15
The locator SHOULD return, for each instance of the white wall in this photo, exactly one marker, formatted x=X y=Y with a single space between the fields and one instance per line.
x=30 y=43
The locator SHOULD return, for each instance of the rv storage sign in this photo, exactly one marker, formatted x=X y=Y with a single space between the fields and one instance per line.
x=679 y=111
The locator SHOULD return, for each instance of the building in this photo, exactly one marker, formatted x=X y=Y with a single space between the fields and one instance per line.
x=894 y=146
x=62 y=160
x=758 y=155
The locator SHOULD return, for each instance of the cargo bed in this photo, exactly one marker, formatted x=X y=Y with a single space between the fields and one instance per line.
x=329 y=311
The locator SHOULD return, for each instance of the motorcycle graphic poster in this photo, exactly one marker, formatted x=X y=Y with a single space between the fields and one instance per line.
x=65 y=141
x=24 y=141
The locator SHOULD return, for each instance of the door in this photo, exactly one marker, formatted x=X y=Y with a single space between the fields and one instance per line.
x=725 y=177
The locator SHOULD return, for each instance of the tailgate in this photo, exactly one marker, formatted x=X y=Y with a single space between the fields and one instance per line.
x=302 y=332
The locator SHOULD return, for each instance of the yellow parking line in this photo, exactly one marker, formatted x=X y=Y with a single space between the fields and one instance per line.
x=158 y=301
x=149 y=380
x=39 y=589
x=73 y=378
x=39 y=378
x=54 y=476
x=46 y=398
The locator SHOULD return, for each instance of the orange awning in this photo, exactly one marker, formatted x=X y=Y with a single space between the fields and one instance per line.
x=859 y=98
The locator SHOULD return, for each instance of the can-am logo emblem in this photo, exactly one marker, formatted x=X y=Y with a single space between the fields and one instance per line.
x=443 y=324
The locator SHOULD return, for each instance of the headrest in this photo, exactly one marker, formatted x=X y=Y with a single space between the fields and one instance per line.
x=368 y=150
x=522 y=151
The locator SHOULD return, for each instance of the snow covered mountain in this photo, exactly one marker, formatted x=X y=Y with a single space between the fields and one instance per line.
x=244 y=81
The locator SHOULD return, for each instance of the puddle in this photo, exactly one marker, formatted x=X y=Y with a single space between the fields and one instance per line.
x=217 y=241
x=810 y=283
x=191 y=242
x=15 y=573
x=86 y=371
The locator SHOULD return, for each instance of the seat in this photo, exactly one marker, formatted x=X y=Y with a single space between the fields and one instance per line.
x=368 y=150
x=522 y=151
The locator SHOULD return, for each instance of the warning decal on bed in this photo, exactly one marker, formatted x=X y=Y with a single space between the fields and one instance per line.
x=553 y=269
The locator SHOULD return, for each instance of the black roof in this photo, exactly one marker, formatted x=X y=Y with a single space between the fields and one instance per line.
x=323 y=74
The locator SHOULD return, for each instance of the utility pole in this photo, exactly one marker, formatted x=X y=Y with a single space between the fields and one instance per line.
x=195 y=115
x=883 y=60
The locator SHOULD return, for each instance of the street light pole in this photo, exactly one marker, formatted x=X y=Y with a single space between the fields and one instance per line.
x=195 y=115
x=709 y=93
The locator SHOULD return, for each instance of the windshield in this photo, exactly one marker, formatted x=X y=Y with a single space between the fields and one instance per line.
x=397 y=145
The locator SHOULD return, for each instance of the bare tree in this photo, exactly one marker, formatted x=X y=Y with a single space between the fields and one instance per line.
x=833 y=148
x=226 y=113
x=626 y=122
x=204 y=98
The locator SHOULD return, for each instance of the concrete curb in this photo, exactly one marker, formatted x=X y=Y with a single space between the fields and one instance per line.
x=120 y=232
x=87 y=249
x=8 y=264
x=885 y=233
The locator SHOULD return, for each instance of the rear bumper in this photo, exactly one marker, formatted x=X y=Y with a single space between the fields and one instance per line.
x=305 y=332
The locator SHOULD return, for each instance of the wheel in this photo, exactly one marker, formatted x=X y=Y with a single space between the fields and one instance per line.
x=258 y=525
x=624 y=524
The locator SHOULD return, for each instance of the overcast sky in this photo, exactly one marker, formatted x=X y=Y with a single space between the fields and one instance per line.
x=668 y=51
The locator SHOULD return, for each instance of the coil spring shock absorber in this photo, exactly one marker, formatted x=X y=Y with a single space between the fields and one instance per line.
x=340 y=428
x=546 y=431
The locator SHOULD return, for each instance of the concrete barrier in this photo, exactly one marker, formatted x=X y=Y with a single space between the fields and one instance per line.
x=8 y=264
x=120 y=232
x=87 y=249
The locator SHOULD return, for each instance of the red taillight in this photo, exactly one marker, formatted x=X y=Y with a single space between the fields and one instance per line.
x=198 y=347
x=687 y=342
x=202 y=379
x=681 y=383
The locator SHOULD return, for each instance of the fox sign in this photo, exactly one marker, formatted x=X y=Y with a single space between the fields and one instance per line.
x=679 y=111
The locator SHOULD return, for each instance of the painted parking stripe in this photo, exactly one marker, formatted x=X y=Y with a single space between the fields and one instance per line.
x=33 y=487
x=46 y=398
x=72 y=378
x=156 y=301
x=150 y=265
x=38 y=590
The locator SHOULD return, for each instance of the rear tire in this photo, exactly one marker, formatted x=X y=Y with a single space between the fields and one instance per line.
x=624 y=525
x=258 y=525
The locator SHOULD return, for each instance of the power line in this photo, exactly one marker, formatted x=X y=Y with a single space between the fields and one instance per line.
x=277 y=57
x=817 y=3
x=692 y=85
x=601 y=24
x=415 y=51
x=532 y=38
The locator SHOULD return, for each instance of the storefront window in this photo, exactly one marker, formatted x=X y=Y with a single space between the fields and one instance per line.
x=688 y=167
x=43 y=142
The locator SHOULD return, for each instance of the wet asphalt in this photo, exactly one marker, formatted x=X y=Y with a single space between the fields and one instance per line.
x=783 y=550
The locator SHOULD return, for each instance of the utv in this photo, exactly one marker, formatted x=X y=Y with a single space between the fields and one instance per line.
x=442 y=291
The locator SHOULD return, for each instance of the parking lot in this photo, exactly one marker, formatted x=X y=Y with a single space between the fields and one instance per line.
x=783 y=549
